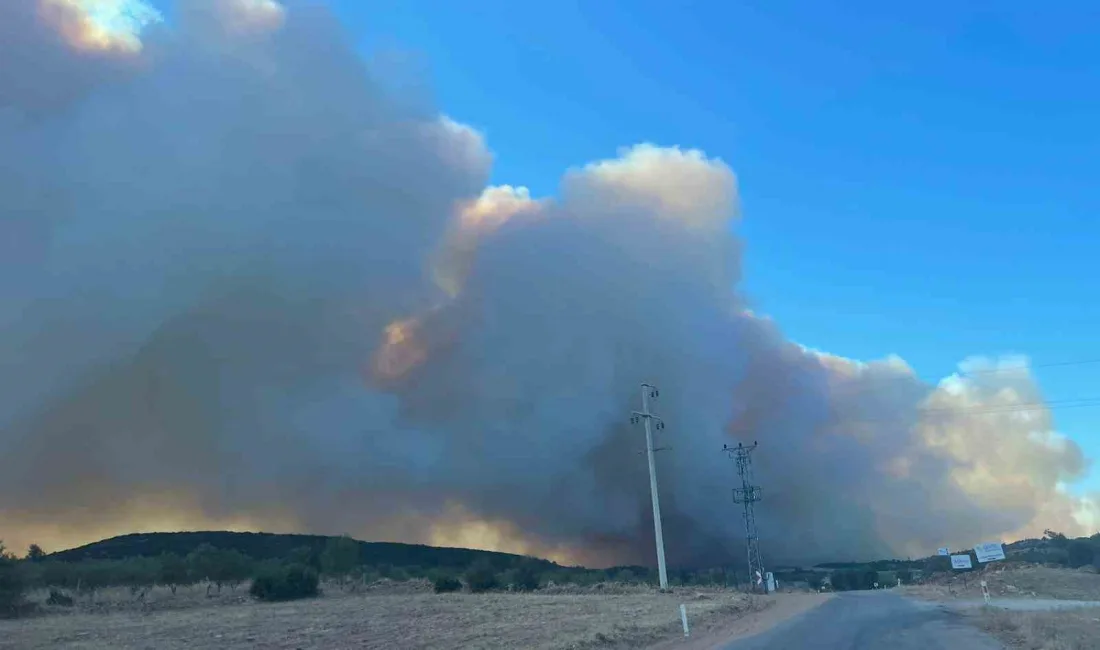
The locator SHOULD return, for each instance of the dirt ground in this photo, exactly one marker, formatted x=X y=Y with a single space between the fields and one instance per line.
x=1062 y=630
x=1008 y=581
x=1076 y=629
x=405 y=617
x=718 y=631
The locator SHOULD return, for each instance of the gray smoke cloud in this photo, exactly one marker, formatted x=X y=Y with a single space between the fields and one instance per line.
x=250 y=286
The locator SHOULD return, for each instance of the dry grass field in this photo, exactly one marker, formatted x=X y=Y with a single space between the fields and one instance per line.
x=1008 y=581
x=394 y=617
x=1062 y=630
x=1077 y=629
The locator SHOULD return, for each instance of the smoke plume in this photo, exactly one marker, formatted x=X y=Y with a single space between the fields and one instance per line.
x=250 y=286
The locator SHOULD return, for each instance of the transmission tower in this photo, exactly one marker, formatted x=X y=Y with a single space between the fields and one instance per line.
x=652 y=421
x=747 y=495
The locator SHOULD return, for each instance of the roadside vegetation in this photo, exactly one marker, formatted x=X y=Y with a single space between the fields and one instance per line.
x=284 y=567
x=137 y=564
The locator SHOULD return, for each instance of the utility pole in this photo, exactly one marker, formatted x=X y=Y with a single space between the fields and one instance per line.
x=648 y=418
x=747 y=495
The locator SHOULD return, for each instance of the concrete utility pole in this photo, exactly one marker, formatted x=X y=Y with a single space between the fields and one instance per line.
x=645 y=416
x=747 y=495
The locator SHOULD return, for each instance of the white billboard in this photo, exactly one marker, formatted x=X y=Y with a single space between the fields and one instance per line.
x=989 y=552
x=961 y=562
x=943 y=551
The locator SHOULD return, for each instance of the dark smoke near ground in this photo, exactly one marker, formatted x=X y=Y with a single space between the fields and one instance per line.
x=246 y=285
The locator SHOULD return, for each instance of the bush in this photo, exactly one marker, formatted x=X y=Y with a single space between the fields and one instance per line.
x=340 y=556
x=35 y=553
x=525 y=578
x=221 y=567
x=852 y=579
x=481 y=577
x=174 y=572
x=286 y=583
x=11 y=585
x=446 y=584
x=59 y=598
x=1079 y=553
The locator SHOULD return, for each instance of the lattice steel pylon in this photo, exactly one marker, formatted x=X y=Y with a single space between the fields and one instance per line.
x=747 y=495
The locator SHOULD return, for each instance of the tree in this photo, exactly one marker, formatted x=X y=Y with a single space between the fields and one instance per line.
x=35 y=553
x=305 y=556
x=220 y=567
x=11 y=584
x=446 y=584
x=841 y=580
x=137 y=573
x=174 y=572
x=92 y=575
x=340 y=556
x=285 y=583
x=481 y=577
x=1059 y=540
x=1080 y=553
x=59 y=574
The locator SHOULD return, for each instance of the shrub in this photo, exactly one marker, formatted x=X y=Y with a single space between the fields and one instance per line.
x=340 y=556
x=851 y=579
x=35 y=553
x=59 y=598
x=221 y=567
x=174 y=571
x=446 y=584
x=286 y=583
x=11 y=585
x=525 y=578
x=481 y=577
x=1079 y=553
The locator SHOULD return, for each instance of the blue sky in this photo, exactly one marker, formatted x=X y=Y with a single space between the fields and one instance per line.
x=918 y=180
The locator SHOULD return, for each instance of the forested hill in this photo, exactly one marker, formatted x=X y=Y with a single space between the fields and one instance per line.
x=271 y=546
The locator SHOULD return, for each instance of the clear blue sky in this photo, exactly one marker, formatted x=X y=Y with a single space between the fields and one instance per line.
x=917 y=179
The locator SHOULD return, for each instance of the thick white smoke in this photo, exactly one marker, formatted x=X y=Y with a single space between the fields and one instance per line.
x=247 y=286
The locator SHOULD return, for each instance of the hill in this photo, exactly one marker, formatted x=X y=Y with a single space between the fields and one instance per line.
x=273 y=546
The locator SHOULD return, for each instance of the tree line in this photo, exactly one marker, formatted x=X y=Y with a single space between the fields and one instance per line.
x=297 y=573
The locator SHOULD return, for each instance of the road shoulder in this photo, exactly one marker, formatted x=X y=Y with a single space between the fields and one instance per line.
x=718 y=633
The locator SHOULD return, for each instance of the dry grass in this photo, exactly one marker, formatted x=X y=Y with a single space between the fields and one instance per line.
x=394 y=617
x=1008 y=581
x=1077 y=629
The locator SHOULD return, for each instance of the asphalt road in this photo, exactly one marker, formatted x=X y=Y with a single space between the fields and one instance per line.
x=870 y=621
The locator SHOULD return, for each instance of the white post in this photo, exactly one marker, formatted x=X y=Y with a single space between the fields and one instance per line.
x=684 y=618
x=653 y=488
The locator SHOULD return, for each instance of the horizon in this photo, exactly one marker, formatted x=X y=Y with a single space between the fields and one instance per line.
x=464 y=548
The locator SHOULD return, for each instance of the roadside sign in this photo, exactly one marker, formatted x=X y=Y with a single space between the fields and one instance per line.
x=943 y=551
x=989 y=552
x=961 y=562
